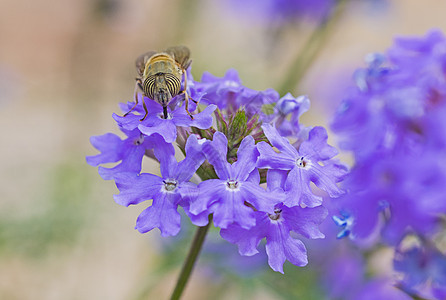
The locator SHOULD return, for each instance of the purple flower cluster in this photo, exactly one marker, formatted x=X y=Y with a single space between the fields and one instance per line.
x=283 y=11
x=227 y=159
x=286 y=10
x=394 y=123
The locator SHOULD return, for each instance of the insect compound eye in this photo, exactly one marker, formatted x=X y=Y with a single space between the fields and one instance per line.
x=149 y=87
x=173 y=84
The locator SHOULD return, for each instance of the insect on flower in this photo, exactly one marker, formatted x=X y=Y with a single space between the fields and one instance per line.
x=160 y=75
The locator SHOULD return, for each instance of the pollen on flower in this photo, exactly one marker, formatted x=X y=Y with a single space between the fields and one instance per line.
x=276 y=215
x=170 y=185
x=301 y=162
x=233 y=185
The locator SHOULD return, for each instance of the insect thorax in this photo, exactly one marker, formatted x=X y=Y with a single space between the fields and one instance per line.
x=162 y=63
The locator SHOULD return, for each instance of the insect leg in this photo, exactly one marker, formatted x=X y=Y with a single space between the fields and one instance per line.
x=186 y=96
x=138 y=84
x=145 y=109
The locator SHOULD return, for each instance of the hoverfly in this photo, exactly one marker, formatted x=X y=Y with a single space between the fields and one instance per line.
x=160 y=75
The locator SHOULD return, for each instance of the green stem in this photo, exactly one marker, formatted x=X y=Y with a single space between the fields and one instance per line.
x=311 y=50
x=188 y=266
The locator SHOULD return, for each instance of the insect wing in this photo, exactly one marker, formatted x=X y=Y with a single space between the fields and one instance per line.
x=141 y=61
x=181 y=54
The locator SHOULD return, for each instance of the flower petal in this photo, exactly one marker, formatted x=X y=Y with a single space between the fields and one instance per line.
x=305 y=221
x=270 y=159
x=202 y=120
x=108 y=144
x=135 y=188
x=276 y=178
x=132 y=156
x=210 y=191
x=316 y=147
x=193 y=160
x=164 y=127
x=278 y=141
x=297 y=187
x=231 y=209
x=162 y=214
x=259 y=198
x=246 y=240
x=216 y=152
x=247 y=155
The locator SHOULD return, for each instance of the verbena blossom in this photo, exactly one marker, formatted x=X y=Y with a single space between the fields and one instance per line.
x=225 y=145
x=167 y=128
x=129 y=151
x=287 y=11
x=393 y=123
x=303 y=164
x=165 y=190
x=276 y=227
x=233 y=198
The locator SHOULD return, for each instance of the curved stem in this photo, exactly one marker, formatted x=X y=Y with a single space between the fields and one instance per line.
x=189 y=263
x=311 y=50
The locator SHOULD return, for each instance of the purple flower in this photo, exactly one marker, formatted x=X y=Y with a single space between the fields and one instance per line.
x=285 y=10
x=167 y=128
x=303 y=164
x=233 y=196
x=394 y=124
x=220 y=91
x=165 y=190
x=421 y=266
x=288 y=105
x=129 y=151
x=252 y=101
x=276 y=228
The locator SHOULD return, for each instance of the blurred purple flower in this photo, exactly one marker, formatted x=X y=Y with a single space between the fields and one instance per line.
x=285 y=10
x=421 y=266
x=394 y=125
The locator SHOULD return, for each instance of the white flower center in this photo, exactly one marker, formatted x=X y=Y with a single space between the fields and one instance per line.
x=233 y=185
x=170 y=185
x=302 y=163
x=231 y=83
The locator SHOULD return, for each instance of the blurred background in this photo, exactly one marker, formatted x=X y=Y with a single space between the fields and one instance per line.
x=64 y=67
